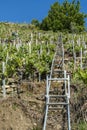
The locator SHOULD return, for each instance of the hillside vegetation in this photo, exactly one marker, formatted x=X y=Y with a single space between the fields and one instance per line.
x=27 y=54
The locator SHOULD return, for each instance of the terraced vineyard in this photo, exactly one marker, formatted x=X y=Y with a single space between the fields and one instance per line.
x=26 y=56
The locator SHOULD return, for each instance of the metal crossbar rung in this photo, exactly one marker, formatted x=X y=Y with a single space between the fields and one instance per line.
x=60 y=103
x=55 y=108
x=61 y=81
x=58 y=96
x=58 y=79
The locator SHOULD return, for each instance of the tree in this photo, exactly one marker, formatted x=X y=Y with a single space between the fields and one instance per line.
x=45 y=25
x=35 y=22
x=65 y=16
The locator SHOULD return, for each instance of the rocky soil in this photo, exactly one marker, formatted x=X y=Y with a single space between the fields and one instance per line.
x=26 y=110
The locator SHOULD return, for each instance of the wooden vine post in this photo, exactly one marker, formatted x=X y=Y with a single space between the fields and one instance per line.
x=3 y=79
x=31 y=37
x=7 y=57
x=74 y=55
x=81 y=58
x=29 y=47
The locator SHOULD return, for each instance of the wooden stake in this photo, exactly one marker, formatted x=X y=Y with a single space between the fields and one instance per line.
x=3 y=79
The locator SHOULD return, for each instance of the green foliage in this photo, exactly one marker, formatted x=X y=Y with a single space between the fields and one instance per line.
x=82 y=126
x=14 y=106
x=36 y=128
x=42 y=51
x=81 y=75
x=20 y=58
x=65 y=16
x=69 y=48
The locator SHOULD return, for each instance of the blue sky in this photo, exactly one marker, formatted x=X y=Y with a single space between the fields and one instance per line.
x=26 y=10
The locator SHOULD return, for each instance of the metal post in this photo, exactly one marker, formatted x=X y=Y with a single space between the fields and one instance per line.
x=68 y=86
x=47 y=101
x=65 y=82
x=68 y=114
x=63 y=56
